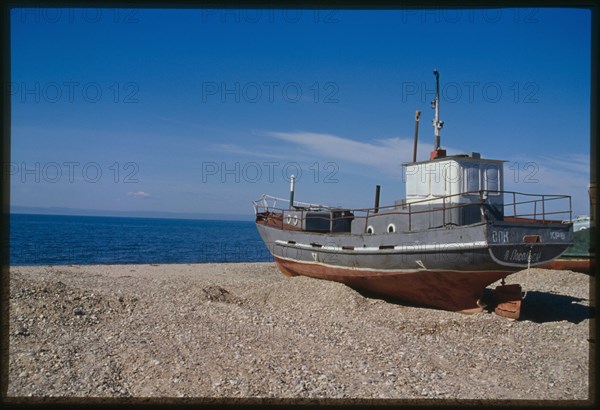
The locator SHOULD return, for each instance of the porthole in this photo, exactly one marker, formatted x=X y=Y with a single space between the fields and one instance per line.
x=370 y=230
x=288 y=219
x=391 y=228
x=295 y=219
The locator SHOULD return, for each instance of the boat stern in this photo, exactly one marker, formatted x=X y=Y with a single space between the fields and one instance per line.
x=522 y=244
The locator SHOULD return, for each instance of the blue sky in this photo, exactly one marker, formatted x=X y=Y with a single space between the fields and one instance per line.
x=202 y=111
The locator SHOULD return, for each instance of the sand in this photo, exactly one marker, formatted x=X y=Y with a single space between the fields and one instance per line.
x=245 y=330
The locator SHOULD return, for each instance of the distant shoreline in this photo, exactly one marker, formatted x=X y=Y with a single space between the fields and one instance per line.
x=20 y=210
x=129 y=265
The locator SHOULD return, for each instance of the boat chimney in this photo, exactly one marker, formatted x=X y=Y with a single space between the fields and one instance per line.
x=292 y=185
x=437 y=124
x=377 y=191
x=417 y=117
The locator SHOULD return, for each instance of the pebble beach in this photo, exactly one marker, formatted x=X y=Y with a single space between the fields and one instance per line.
x=244 y=330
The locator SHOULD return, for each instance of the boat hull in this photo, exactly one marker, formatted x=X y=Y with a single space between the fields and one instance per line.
x=442 y=268
x=582 y=265
x=448 y=290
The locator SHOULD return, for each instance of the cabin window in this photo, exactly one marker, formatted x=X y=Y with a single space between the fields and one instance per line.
x=471 y=180
x=422 y=181
x=451 y=176
x=438 y=185
x=491 y=178
x=417 y=182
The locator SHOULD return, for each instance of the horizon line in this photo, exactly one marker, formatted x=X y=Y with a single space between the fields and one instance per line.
x=65 y=211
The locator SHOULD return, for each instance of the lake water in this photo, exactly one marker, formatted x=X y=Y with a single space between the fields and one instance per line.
x=82 y=240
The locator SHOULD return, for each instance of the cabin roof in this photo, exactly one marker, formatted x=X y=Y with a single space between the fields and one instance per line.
x=461 y=157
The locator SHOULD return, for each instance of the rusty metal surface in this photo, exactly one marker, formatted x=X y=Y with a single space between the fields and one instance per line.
x=275 y=220
x=508 y=298
x=438 y=153
x=456 y=291
x=575 y=265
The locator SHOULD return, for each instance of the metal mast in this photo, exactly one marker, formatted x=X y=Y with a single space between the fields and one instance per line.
x=417 y=117
x=437 y=124
x=435 y=104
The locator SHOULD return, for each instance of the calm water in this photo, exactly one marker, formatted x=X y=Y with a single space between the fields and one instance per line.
x=79 y=240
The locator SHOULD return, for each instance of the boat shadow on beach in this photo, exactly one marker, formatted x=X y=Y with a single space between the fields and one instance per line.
x=537 y=307
x=544 y=307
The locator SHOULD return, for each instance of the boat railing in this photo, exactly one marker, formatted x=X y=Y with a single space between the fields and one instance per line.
x=269 y=202
x=523 y=207
x=537 y=207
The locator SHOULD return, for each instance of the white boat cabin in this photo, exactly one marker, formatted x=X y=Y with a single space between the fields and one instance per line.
x=450 y=184
x=464 y=174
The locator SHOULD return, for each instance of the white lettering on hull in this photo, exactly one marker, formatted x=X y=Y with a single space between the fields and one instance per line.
x=500 y=236
x=517 y=256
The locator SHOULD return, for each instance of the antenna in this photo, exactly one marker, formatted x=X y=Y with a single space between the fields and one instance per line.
x=435 y=104
x=437 y=124
x=417 y=117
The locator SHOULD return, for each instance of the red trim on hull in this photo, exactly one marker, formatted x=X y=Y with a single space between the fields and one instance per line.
x=575 y=265
x=452 y=290
x=531 y=220
x=276 y=221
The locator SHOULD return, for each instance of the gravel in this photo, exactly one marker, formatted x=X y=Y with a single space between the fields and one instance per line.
x=246 y=330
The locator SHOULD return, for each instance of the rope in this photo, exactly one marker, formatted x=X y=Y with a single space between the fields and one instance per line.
x=527 y=274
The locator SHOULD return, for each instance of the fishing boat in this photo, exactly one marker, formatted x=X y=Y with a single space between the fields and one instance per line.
x=455 y=232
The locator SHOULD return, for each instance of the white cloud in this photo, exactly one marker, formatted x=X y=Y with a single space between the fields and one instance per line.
x=385 y=155
x=544 y=174
x=236 y=149
x=571 y=164
x=139 y=194
x=568 y=174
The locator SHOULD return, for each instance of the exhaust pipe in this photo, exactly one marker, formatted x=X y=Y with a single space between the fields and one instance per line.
x=417 y=117
x=292 y=186
x=377 y=191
